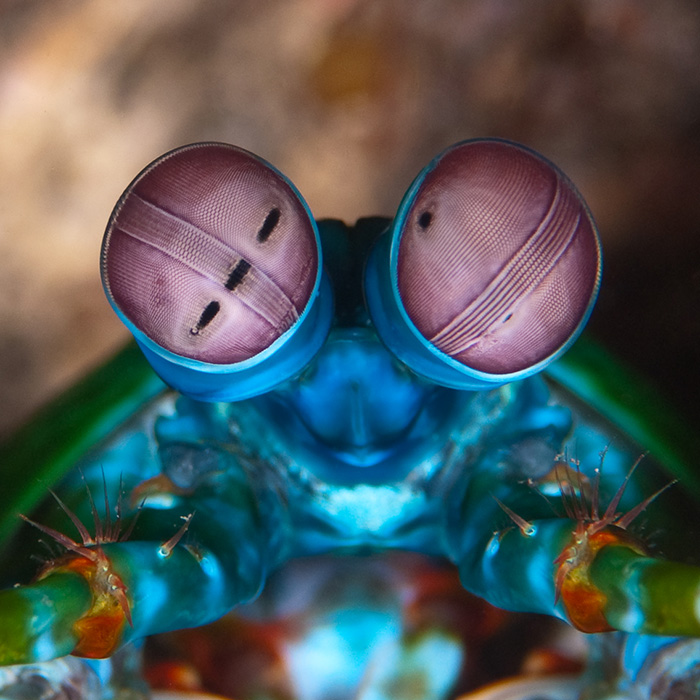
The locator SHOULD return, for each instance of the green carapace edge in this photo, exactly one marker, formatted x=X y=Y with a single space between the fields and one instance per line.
x=632 y=404
x=38 y=455
x=43 y=450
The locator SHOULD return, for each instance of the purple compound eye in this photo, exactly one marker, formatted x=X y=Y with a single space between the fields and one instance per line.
x=211 y=254
x=498 y=258
x=489 y=270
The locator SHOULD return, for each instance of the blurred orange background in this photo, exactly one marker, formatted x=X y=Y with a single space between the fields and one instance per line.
x=350 y=98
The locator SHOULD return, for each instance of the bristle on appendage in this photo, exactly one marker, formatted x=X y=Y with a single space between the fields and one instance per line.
x=105 y=531
x=166 y=548
x=526 y=528
x=583 y=602
x=99 y=628
x=581 y=500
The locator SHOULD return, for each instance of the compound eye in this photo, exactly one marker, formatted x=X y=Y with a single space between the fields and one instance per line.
x=211 y=254
x=498 y=259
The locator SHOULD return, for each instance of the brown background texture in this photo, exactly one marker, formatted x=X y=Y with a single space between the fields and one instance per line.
x=350 y=98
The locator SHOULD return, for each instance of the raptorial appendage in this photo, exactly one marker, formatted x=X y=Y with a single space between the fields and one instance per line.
x=592 y=604
x=116 y=586
x=577 y=563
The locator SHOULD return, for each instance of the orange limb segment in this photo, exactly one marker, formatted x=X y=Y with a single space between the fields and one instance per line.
x=99 y=630
x=583 y=601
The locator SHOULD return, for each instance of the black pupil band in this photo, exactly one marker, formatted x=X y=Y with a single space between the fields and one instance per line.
x=271 y=220
x=237 y=274
x=211 y=309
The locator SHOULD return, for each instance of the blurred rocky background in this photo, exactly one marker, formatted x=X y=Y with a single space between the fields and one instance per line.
x=350 y=98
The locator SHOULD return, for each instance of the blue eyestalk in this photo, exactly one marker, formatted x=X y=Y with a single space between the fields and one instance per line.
x=213 y=261
x=490 y=269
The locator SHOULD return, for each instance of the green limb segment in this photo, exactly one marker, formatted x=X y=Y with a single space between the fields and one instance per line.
x=38 y=620
x=646 y=595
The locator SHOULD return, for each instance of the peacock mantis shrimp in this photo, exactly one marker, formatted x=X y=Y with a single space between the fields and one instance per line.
x=396 y=385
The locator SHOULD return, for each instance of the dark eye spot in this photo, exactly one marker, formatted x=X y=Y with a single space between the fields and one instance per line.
x=271 y=220
x=507 y=318
x=211 y=309
x=425 y=219
x=237 y=274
